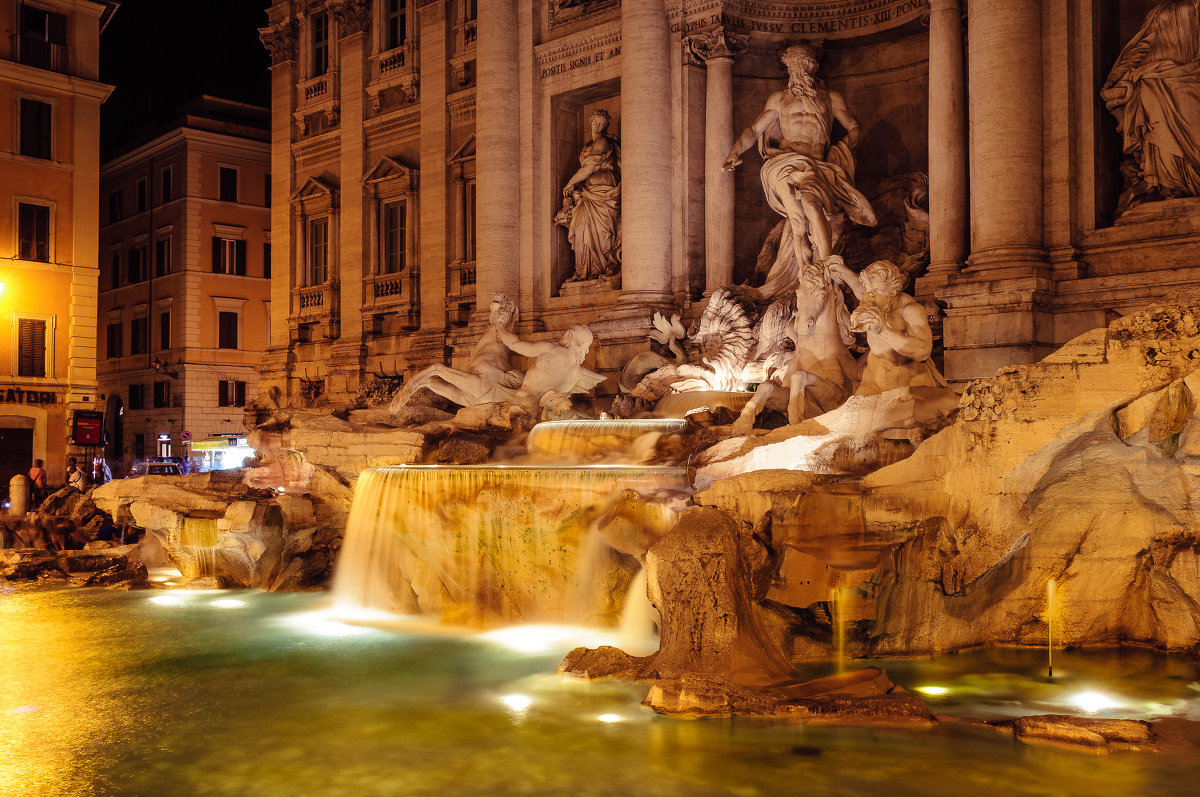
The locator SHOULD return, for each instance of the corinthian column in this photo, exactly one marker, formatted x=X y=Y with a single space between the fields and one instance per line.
x=1005 y=73
x=717 y=49
x=949 y=205
x=498 y=158
x=646 y=175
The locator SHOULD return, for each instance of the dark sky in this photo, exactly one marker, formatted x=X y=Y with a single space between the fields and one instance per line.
x=161 y=53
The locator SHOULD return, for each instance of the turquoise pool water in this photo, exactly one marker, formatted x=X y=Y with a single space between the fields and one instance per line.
x=247 y=693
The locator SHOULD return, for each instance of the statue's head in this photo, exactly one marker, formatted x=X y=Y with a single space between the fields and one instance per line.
x=503 y=312
x=600 y=120
x=882 y=277
x=578 y=339
x=802 y=58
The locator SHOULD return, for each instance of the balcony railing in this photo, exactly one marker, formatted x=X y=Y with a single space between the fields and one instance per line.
x=462 y=279
x=35 y=52
x=315 y=300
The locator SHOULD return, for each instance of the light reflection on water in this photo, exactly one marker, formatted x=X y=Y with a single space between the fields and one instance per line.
x=108 y=693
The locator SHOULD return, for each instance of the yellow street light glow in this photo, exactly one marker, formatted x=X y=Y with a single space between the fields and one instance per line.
x=610 y=718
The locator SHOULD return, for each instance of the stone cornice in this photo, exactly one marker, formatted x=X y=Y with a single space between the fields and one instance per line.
x=785 y=21
x=461 y=107
x=280 y=41
x=317 y=146
x=400 y=120
x=577 y=44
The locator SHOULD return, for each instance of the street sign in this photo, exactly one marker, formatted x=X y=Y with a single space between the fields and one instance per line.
x=186 y=436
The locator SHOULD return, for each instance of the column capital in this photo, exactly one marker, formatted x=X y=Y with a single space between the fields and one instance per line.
x=353 y=16
x=280 y=41
x=717 y=43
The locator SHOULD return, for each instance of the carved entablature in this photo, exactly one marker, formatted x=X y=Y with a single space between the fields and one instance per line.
x=568 y=12
x=582 y=50
x=717 y=43
x=352 y=16
x=784 y=20
x=280 y=41
x=462 y=108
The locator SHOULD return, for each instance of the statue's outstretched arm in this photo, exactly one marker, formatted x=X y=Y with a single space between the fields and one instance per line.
x=768 y=117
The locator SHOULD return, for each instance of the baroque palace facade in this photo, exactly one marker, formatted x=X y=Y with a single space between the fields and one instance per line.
x=427 y=154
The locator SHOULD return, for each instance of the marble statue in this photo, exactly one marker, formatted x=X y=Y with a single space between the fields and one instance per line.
x=806 y=177
x=489 y=375
x=557 y=367
x=1154 y=91
x=591 y=209
x=897 y=328
x=667 y=334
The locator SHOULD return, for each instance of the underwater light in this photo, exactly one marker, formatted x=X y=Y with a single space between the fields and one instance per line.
x=517 y=702
x=168 y=600
x=610 y=718
x=320 y=623
x=228 y=603
x=1092 y=702
x=544 y=638
x=933 y=691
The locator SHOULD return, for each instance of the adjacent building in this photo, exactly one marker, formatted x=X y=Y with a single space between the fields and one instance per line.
x=425 y=156
x=185 y=270
x=50 y=98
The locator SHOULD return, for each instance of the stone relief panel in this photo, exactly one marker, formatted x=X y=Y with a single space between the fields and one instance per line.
x=567 y=12
x=1153 y=90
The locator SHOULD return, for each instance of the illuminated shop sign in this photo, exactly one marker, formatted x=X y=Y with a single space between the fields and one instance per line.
x=15 y=395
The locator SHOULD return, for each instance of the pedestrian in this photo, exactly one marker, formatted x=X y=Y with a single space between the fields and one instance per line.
x=37 y=478
x=76 y=477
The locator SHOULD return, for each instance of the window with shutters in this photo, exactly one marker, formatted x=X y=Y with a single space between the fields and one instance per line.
x=229 y=256
x=136 y=265
x=31 y=347
x=165 y=188
x=139 y=336
x=162 y=257
x=267 y=260
x=227 y=329
x=33 y=232
x=114 y=274
x=43 y=39
x=231 y=393
x=162 y=394
x=137 y=397
x=228 y=184
x=36 y=134
x=142 y=195
x=164 y=330
x=114 y=340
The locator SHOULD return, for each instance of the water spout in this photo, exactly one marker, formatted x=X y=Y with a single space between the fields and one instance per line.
x=1051 y=588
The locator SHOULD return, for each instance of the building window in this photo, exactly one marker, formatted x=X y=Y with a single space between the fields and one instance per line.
x=139 y=443
x=231 y=393
x=162 y=395
x=164 y=190
x=228 y=184
x=320 y=45
x=394 y=23
x=33 y=232
x=35 y=129
x=267 y=260
x=471 y=10
x=227 y=330
x=137 y=397
x=43 y=38
x=135 y=268
x=229 y=256
x=469 y=221
x=114 y=340
x=164 y=330
x=162 y=257
x=114 y=206
x=318 y=251
x=142 y=199
x=138 y=336
x=114 y=275
x=394 y=226
x=31 y=347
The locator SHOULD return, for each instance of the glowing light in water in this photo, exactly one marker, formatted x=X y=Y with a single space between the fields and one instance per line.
x=1091 y=702
x=517 y=702
x=24 y=709
x=545 y=638
x=169 y=600
x=321 y=623
x=934 y=691
x=610 y=718
x=228 y=603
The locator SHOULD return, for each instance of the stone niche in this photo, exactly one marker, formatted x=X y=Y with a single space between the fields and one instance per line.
x=569 y=131
x=884 y=78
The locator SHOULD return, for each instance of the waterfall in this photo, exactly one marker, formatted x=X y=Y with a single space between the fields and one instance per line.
x=489 y=543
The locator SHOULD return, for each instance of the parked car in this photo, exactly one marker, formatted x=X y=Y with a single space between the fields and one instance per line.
x=153 y=468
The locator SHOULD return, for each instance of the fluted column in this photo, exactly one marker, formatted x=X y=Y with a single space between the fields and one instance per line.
x=717 y=49
x=646 y=172
x=1005 y=73
x=498 y=153
x=949 y=204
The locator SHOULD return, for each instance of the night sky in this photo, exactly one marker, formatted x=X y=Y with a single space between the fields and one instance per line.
x=161 y=53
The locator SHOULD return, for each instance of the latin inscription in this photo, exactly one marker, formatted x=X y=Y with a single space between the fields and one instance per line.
x=581 y=61
x=869 y=15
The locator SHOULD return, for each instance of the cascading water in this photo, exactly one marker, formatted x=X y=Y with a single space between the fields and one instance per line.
x=484 y=544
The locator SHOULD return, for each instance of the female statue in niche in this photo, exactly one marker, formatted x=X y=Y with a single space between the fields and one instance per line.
x=1154 y=91
x=591 y=209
